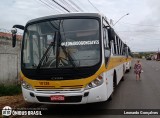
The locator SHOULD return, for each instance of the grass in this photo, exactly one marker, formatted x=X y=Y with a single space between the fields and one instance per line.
x=10 y=90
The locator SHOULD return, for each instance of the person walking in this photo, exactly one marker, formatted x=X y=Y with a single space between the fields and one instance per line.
x=138 y=69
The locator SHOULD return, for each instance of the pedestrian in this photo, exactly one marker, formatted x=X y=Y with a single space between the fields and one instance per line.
x=138 y=70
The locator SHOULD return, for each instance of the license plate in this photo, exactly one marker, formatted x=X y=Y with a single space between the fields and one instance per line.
x=57 y=98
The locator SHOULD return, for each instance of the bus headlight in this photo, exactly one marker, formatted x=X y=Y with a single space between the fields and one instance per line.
x=97 y=82
x=26 y=85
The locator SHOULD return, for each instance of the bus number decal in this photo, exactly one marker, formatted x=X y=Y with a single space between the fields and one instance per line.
x=44 y=83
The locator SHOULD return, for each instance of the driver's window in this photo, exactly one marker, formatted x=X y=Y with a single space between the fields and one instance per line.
x=105 y=37
x=106 y=42
x=106 y=45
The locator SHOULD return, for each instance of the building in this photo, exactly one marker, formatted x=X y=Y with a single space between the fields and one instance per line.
x=9 y=36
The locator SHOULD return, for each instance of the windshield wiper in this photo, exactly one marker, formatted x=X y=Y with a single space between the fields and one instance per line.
x=69 y=56
x=46 y=52
x=64 y=48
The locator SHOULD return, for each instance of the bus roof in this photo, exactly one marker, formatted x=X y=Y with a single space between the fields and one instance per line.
x=66 y=15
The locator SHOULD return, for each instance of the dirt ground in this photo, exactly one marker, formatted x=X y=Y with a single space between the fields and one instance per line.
x=12 y=101
x=16 y=101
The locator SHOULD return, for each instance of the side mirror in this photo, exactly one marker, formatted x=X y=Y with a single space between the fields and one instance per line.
x=14 y=31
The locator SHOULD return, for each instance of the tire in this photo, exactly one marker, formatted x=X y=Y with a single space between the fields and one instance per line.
x=110 y=97
x=122 y=78
x=128 y=70
x=114 y=80
x=114 y=86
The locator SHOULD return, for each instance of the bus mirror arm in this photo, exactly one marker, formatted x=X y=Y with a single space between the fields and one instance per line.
x=107 y=27
x=14 y=32
x=19 y=27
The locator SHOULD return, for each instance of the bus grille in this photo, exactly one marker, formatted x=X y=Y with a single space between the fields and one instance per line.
x=61 y=88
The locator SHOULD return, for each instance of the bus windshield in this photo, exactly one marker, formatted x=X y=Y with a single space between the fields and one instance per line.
x=64 y=43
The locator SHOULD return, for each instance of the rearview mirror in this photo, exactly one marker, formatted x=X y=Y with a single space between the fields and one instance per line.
x=14 y=31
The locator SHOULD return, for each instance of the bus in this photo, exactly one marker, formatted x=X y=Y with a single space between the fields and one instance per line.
x=73 y=58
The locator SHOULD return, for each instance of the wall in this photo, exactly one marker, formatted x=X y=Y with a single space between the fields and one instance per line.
x=9 y=62
x=8 y=68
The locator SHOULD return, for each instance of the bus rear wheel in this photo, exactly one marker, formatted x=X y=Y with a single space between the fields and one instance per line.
x=114 y=86
x=110 y=97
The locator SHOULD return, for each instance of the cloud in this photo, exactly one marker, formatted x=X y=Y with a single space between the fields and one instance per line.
x=132 y=29
x=20 y=11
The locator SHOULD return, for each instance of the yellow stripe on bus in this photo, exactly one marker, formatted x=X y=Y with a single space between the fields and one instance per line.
x=77 y=83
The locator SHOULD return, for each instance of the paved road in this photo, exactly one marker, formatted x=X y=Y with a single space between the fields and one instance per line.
x=129 y=94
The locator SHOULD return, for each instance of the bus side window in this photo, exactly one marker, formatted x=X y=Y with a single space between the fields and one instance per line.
x=111 y=35
x=121 y=47
x=105 y=37
x=118 y=46
x=115 y=45
x=112 y=47
x=126 y=51
x=106 y=45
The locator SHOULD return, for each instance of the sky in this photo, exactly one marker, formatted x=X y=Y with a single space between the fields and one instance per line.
x=140 y=29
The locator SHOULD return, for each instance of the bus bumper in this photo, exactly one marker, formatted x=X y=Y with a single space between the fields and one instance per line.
x=96 y=94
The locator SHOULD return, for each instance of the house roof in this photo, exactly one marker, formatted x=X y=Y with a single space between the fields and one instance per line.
x=9 y=35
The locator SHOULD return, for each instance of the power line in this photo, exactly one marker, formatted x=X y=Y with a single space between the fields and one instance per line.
x=72 y=6
x=61 y=5
x=93 y=5
x=84 y=9
x=55 y=6
x=69 y=5
x=75 y=5
x=48 y=5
